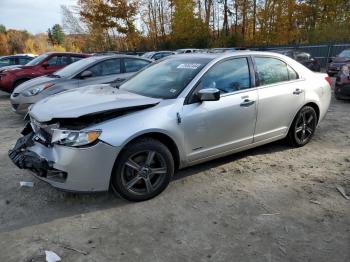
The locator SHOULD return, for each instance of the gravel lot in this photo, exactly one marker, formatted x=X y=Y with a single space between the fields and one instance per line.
x=273 y=203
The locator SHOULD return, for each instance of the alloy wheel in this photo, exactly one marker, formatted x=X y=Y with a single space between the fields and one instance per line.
x=144 y=172
x=305 y=126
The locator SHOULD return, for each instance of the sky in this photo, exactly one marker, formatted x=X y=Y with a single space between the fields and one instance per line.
x=35 y=16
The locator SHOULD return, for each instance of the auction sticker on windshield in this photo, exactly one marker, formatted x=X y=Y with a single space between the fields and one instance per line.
x=189 y=66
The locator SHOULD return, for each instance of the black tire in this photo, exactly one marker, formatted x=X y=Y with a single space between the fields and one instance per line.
x=143 y=170
x=303 y=127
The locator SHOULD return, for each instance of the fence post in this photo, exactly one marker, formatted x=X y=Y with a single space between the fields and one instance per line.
x=328 y=55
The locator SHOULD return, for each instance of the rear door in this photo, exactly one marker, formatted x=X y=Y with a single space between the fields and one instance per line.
x=215 y=127
x=281 y=93
x=104 y=72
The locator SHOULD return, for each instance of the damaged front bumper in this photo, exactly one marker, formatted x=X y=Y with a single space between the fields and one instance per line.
x=85 y=169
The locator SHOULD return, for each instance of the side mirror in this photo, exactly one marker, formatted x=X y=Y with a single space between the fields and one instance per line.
x=86 y=74
x=209 y=94
x=45 y=64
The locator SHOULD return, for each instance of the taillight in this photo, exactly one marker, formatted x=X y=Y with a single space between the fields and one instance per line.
x=329 y=80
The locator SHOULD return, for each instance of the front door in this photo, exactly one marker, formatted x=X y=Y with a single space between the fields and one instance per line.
x=215 y=127
x=104 y=72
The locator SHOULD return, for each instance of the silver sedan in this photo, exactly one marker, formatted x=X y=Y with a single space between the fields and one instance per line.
x=89 y=71
x=178 y=112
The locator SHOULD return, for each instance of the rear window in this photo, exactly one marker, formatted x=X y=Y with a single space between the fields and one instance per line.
x=134 y=65
x=271 y=70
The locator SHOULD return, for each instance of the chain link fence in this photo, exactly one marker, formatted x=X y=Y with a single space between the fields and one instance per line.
x=323 y=53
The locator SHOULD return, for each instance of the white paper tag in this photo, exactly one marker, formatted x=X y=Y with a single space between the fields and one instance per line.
x=188 y=66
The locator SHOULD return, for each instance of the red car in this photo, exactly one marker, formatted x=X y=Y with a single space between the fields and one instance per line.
x=45 y=64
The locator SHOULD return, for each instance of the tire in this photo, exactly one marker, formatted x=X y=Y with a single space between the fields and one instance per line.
x=134 y=176
x=303 y=127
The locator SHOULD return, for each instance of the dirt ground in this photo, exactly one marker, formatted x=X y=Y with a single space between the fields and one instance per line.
x=272 y=203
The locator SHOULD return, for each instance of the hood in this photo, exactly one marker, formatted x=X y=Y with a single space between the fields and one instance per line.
x=89 y=100
x=341 y=59
x=35 y=82
x=2 y=69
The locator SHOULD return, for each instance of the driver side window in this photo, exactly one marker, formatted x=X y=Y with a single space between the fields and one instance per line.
x=228 y=76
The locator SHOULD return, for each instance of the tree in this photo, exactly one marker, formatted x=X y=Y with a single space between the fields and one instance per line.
x=56 y=35
x=16 y=40
x=4 y=47
x=2 y=29
x=188 y=28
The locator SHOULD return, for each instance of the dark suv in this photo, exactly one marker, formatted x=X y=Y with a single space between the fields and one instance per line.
x=15 y=60
x=45 y=64
x=338 y=62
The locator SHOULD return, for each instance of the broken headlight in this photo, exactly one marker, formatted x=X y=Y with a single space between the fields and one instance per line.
x=74 y=138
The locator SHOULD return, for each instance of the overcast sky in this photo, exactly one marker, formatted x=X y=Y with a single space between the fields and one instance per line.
x=35 y=16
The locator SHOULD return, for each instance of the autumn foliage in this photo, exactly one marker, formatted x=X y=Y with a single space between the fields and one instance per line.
x=128 y=25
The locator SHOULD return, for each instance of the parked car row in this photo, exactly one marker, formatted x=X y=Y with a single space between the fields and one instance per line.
x=176 y=112
x=112 y=69
x=45 y=64
x=19 y=59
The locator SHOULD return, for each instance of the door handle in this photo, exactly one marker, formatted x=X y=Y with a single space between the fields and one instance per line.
x=247 y=102
x=297 y=91
x=120 y=79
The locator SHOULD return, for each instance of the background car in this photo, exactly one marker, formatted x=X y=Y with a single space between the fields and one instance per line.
x=336 y=63
x=181 y=111
x=15 y=60
x=302 y=57
x=221 y=50
x=44 y=64
x=342 y=84
x=89 y=71
x=156 y=55
x=187 y=51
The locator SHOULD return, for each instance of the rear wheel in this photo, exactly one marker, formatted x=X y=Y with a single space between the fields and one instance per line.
x=143 y=170
x=303 y=127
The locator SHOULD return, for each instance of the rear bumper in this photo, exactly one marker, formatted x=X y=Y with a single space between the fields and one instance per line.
x=85 y=169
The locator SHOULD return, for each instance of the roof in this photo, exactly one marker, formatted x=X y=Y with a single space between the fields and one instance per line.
x=223 y=55
x=104 y=57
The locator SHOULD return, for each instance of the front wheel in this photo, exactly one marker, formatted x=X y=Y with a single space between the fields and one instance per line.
x=303 y=127
x=143 y=170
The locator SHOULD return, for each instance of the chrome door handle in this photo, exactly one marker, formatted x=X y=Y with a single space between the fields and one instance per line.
x=247 y=102
x=297 y=91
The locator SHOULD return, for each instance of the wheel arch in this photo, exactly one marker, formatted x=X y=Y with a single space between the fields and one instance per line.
x=19 y=80
x=314 y=105
x=161 y=137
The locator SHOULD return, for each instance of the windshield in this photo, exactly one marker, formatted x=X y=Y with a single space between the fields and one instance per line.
x=148 y=54
x=74 y=68
x=165 y=79
x=37 y=60
x=345 y=53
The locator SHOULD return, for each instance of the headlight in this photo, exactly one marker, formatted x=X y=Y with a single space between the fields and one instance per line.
x=36 y=90
x=74 y=138
x=345 y=70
